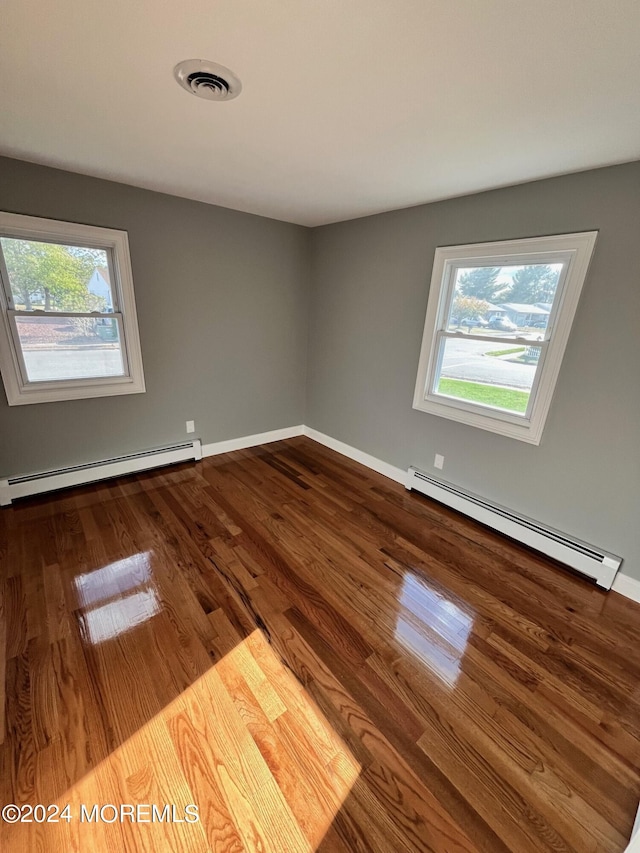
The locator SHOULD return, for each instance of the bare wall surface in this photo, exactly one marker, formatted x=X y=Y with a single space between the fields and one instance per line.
x=223 y=305
x=222 y=301
x=369 y=296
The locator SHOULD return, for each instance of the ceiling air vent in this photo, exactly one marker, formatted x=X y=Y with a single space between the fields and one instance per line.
x=207 y=80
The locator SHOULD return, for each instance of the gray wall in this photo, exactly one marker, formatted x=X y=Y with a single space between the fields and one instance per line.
x=223 y=304
x=222 y=301
x=369 y=296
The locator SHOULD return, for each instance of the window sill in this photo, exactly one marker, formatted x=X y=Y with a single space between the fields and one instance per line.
x=500 y=423
x=73 y=390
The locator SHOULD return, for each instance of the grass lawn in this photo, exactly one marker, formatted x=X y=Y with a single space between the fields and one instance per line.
x=505 y=351
x=476 y=392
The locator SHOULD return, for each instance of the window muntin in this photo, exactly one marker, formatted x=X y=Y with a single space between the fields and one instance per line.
x=497 y=323
x=69 y=320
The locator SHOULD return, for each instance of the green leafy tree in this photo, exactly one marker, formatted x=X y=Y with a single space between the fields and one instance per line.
x=534 y=283
x=49 y=276
x=468 y=308
x=22 y=268
x=482 y=283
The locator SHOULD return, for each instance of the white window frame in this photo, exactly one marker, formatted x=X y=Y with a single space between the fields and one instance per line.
x=574 y=251
x=18 y=388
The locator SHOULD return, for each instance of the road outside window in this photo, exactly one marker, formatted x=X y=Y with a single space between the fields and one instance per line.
x=69 y=316
x=498 y=319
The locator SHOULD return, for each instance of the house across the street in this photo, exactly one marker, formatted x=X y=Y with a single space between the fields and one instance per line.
x=525 y=315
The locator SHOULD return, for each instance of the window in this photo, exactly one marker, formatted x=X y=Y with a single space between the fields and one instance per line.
x=68 y=328
x=498 y=320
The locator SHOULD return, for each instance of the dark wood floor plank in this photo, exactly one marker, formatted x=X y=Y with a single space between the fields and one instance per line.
x=317 y=659
x=379 y=720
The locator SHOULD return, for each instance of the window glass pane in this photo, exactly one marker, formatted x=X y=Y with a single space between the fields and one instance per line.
x=70 y=347
x=488 y=374
x=511 y=300
x=53 y=277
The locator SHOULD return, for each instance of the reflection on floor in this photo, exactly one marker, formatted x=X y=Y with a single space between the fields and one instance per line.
x=432 y=628
x=123 y=597
x=312 y=657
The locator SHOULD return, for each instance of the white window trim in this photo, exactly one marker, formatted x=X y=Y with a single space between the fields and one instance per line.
x=18 y=391
x=577 y=250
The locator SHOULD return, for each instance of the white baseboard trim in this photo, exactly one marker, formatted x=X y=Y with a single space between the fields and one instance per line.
x=365 y=459
x=623 y=584
x=627 y=586
x=79 y=475
x=245 y=441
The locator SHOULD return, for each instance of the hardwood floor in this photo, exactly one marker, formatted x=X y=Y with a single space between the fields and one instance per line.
x=316 y=659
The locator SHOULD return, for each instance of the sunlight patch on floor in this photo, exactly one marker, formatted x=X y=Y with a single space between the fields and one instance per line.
x=244 y=743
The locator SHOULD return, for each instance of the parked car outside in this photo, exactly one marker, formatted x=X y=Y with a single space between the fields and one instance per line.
x=503 y=324
x=474 y=323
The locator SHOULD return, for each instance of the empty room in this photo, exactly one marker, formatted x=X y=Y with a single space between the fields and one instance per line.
x=319 y=427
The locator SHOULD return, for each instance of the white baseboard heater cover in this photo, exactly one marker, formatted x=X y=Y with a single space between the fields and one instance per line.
x=584 y=558
x=77 y=475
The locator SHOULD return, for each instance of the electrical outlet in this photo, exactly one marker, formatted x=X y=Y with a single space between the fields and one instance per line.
x=191 y=426
x=438 y=462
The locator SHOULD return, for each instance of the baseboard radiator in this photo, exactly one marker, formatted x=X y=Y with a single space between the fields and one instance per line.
x=76 y=475
x=584 y=558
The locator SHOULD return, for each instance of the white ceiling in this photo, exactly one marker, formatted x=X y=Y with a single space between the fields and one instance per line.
x=349 y=107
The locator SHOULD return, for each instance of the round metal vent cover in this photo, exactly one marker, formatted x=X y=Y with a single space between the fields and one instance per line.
x=207 y=80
